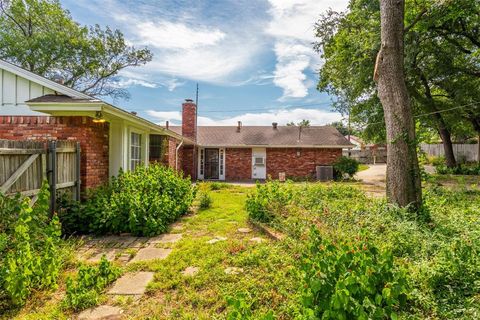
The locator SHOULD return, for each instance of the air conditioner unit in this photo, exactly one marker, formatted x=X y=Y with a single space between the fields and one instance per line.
x=324 y=173
x=259 y=161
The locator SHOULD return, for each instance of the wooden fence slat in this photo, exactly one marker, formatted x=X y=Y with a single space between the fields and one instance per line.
x=18 y=173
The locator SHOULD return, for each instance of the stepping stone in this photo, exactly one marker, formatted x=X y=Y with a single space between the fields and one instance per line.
x=244 y=230
x=190 y=271
x=166 y=238
x=151 y=253
x=110 y=254
x=132 y=283
x=233 y=270
x=177 y=226
x=257 y=240
x=216 y=239
x=101 y=313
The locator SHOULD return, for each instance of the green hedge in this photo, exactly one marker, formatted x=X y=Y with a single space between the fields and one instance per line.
x=142 y=202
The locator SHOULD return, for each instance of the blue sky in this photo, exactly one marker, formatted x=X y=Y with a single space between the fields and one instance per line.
x=253 y=59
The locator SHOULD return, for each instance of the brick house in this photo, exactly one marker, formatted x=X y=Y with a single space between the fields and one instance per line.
x=256 y=152
x=35 y=108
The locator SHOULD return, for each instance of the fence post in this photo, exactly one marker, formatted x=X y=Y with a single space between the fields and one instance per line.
x=78 y=181
x=52 y=174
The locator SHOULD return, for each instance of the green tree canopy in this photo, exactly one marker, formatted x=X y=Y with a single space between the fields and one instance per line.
x=42 y=37
x=442 y=65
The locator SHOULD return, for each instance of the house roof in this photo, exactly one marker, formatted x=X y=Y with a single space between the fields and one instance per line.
x=282 y=136
x=60 y=88
x=55 y=98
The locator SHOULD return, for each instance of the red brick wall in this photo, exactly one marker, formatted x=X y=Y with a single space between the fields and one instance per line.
x=189 y=123
x=298 y=166
x=189 y=162
x=93 y=138
x=238 y=164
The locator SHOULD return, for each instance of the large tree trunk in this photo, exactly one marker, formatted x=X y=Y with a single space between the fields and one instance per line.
x=403 y=174
x=447 y=145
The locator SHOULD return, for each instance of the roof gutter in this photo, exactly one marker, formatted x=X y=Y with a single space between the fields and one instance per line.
x=176 y=154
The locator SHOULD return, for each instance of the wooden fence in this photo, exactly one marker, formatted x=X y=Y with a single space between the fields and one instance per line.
x=367 y=156
x=463 y=152
x=24 y=165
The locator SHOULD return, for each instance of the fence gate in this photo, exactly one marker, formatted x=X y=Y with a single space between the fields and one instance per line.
x=24 y=165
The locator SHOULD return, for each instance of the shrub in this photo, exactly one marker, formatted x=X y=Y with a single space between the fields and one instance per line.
x=218 y=186
x=463 y=169
x=345 y=166
x=351 y=280
x=29 y=248
x=84 y=291
x=268 y=200
x=143 y=202
x=205 y=200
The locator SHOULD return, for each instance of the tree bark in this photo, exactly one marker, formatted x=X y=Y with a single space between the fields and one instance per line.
x=403 y=173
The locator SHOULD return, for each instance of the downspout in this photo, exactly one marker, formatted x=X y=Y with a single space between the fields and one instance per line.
x=176 y=154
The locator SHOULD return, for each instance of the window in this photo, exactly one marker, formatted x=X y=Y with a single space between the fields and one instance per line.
x=202 y=156
x=135 y=150
x=221 y=162
x=156 y=147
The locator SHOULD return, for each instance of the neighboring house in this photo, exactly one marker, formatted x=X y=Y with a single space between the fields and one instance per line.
x=256 y=152
x=35 y=108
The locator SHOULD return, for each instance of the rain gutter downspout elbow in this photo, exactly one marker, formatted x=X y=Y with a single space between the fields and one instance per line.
x=176 y=154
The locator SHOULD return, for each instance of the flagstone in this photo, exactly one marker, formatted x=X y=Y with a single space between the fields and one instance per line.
x=101 y=313
x=233 y=270
x=190 y=271
x=216 y=239
x=110 y=254
x=132 y=284
x=151 y=253
x=257 y=240
x=244 y=230
x=166 y=238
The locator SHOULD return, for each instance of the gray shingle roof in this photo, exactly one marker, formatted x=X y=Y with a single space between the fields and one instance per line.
x=61 y=99
x=314 y=136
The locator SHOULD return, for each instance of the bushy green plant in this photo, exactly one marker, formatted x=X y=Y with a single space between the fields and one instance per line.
x=268 y=200
x=351 y=280
x=84 y=291
x=240 y=309
x=205 y=200
x=218 y=185
x=345 y=166
x=143 y=202
x=30 y=258
x=463 y=169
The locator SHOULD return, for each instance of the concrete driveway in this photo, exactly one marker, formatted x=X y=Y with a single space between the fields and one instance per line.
x=375 y=174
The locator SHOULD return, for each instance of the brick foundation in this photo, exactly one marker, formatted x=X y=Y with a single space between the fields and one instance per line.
x=93 y=138
x=238 y=164
x=298 y=166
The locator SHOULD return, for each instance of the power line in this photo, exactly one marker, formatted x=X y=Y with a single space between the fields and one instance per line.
x=434 y=112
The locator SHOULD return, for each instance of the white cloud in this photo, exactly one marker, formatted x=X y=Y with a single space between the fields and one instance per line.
x=129 y=82
x=168 y=35
x=316 y=117
x=292 y=27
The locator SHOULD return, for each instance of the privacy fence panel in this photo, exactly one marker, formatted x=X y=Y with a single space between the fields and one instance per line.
x=463 y=152
x=24 y=165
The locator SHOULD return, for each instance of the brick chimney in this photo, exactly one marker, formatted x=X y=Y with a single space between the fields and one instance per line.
x=189 y=119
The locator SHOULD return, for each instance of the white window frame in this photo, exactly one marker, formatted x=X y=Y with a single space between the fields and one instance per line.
x=134 y=162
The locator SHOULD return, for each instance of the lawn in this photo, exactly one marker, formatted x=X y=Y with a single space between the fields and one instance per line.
x=438 y=250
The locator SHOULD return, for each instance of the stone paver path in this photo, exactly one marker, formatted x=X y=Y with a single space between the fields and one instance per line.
x=132 y=283
x=166 y=238
x=151 y=253
x=101 y=313
x=244 y=230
